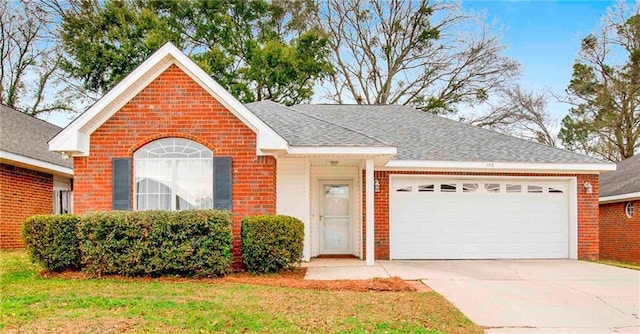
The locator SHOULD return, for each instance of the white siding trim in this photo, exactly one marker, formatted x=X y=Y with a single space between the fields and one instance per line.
x=346 y=150
x=292 y=195
x=370 y=212
x=573 y=218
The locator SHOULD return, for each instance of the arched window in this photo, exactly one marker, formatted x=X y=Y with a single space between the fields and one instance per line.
x=173 y=174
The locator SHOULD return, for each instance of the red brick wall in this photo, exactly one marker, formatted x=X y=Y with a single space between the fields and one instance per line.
x=619 y=234
x=173 y=105
x=23 y=193
x=587 y=211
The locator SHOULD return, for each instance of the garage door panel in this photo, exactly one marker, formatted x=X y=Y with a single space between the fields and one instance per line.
x=480 y=224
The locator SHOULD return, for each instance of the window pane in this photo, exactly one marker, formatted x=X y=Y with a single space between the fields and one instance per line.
x=492 y=187
x=534 y=189
x=426 y=188
x=194 y=177
x=514 y=188
x=448 y=188
x=406 y=189
x=173 y=173
x=469 y=187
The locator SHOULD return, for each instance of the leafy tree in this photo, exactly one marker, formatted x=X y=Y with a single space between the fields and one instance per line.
x=423 y=53
x=604 y=91
x=255 y=49
x=30 y=61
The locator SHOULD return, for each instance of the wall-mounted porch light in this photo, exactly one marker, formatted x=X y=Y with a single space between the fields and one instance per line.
x=588 y=187
x=376 y=185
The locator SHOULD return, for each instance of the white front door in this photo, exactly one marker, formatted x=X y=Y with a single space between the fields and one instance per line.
x=335 y=218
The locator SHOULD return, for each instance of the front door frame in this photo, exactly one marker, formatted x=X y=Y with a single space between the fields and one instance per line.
x=320 y=205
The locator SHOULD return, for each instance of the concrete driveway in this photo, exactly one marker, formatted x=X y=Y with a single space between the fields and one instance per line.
x=533 y=296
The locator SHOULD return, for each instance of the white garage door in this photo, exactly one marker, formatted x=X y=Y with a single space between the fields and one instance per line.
x=436 y=218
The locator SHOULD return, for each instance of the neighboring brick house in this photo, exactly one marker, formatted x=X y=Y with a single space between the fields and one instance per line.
x=620 y=212
x=33 y=180
x=374 y=182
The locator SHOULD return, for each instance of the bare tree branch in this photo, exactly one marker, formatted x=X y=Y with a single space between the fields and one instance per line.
x=423 y=53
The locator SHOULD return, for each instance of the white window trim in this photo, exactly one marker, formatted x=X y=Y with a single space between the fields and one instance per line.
x=173 y=160
x=630 y=209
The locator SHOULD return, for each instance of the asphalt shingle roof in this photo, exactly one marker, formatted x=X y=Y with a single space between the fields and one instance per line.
x=624 y=180
x=416 y=134
x=28 y=136
x=300 y=129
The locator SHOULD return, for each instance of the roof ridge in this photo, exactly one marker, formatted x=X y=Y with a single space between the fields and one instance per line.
x=338 y=125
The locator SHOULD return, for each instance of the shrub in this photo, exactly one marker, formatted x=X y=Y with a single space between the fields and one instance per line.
x=195 y=243
x=271 y=243
x=52 y=242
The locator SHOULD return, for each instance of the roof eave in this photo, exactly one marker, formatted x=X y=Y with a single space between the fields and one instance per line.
x=620 y=198
x=492 y=166
x=35 y=164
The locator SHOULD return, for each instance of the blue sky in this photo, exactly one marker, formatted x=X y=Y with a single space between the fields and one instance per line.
x=544 y=36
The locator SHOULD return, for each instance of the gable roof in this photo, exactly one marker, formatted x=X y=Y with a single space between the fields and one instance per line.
x=75 y=138
x=623 y=183
x=24 y=138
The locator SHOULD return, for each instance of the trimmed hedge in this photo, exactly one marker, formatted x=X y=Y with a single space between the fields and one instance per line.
x=52 y=242
x=271 y=243
x=195 y=243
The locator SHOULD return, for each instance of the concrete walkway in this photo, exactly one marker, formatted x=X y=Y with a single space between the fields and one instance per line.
x=518 y=296
x=333 y=269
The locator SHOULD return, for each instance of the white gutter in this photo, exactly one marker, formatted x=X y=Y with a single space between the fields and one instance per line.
x=502 y=166
x=620 y=198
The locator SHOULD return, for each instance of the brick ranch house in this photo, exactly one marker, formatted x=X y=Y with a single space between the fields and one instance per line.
x=33 y=180
x=375 y=182
x=619 y=221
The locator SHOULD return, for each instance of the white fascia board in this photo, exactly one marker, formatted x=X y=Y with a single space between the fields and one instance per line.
x=342 y=150
x=74 y=139
x=620 y=198
x=489 y=166
x=39 y=164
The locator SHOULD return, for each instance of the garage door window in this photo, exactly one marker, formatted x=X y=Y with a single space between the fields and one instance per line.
x=534 y=189
x=514 y=188
x=405 y=189
x=492 y=187
x=469 y=187
x=426 y=188
x=448 y=187
x=555 y=191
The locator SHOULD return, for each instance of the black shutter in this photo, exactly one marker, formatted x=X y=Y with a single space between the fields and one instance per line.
x=222 y=183
x=121 y=184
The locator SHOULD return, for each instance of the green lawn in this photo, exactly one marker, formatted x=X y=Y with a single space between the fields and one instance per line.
x=31 y=303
